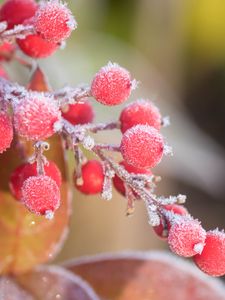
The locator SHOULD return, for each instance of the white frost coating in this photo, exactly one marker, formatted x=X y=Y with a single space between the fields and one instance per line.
x=168 y=150
x=134 y=84
x=198 y=248
x=166 y=121
x=88 y=143
x=49 y=214
x=57 y=126
x=181 y=199
x=107 y=195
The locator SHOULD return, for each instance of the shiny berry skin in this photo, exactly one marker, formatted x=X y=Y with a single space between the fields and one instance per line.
x=186 y=236
x=112 y=85
x=24 y=171
x=142 y=146
x=6 y=131
x=140 y=112
x=40 y=194
x=54 y=21
x=15 y=12
x=29 y=112
x=78 y=113
x=119 y=184
x=163 y=228
x=35 y=46
x=212 y=258
x=93 y=178
x=6 y=51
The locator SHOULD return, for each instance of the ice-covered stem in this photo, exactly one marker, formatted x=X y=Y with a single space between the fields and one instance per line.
x=39 y=148
x=69 y=95
x=19 y=32
x=130 y=200
x=80 y=159
x=107 y=184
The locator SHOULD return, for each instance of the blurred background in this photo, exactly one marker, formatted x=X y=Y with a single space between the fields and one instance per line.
x=176 y=49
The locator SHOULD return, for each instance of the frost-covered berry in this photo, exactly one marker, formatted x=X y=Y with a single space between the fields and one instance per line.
x=6 y=131
x=15 y=12
x=54 y=21
x=112 y=85
x=119 y=184
x=186 y=236
x=24 y=171
x=93 y=178
x=78 y=113
x=6 y=51
x=35 y=46
x=142 y=146
x=212 y=258
x=41 y=195
x=35 y=116
x=163 y=228
x=140 y=112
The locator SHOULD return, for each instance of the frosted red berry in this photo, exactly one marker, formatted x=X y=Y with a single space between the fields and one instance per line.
x=35 y=46
x=41 y=195
x=212 y=258
x=140 y=112
x=15 y=12
x=119 y=184
x=186 y=237
x=24 y=171
x=29 y=112
x=54 y=21
x=142 y=146
x=112 y=85
x=163 y=228
x=78 y=113
x=93 y=178
x=6 y=131
x=6 y=51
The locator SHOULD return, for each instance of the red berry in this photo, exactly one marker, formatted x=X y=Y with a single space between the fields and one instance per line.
x=186 y=237
x=6 y=51
x=212 y=258
x=24 y=171
x=142 y=146
x=140 y=112
x=29 y=112
x=119 y=184
x=15 y=12
x=6 y=131
x=41 y=195
x=78 y=113
x=35 y=46
x=93 y=178
x=54 y=21
x=163 y=228
x=112 y=85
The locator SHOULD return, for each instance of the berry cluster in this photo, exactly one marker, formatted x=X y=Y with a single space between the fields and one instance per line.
x=36 y=116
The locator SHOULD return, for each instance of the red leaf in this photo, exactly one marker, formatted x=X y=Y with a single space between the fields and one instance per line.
x=39 y=81
x=26 y=239
x=46 y=283
x=150 y=276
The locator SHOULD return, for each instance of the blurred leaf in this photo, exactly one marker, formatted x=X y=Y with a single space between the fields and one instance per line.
x=150 y=276
x=50 y=282
x=26 y=239
x=11 y=290
x=205 y=20
x=38 y=81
